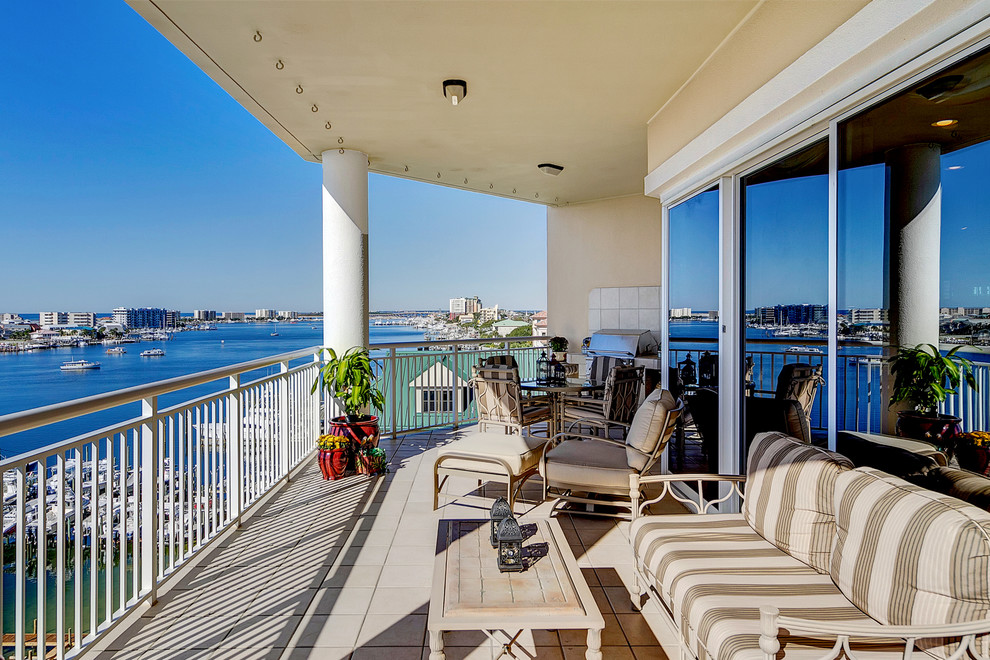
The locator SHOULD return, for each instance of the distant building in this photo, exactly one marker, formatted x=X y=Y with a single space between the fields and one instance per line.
x=10 y=318
x=505 y=328
x=433 y=389
x=869 y=315
x=486 y=314
x=205 y=315
x=791 y=314
x=145 y=317
x=680 y=312
x=460 y=306
x=232 y=316
x=288 y=315
x=540 y=328
x=74 y=319
x=264 y=314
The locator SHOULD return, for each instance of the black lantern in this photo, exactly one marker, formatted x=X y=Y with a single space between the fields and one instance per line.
x=543 y=369
x=500 y=511
x=558 y=373
x=510 y=540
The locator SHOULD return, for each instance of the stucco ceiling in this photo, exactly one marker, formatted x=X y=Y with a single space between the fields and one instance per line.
x=570 y=83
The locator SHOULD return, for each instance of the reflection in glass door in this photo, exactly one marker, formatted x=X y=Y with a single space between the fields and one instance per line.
x=693 y=331
x=785 y=275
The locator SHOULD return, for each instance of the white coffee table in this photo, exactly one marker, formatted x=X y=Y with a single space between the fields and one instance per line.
x=469 y=592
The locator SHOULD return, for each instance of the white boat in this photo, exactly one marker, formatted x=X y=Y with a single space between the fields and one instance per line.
x=79 y=365
x=153 y=352
x=275 y=331
x=116 y=351
x=804 y=349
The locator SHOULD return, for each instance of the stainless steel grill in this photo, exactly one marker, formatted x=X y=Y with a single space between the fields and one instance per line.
x=626 y=344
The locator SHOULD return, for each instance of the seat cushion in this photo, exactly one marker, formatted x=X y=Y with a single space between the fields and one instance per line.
x=909 y=556
x=714 y=572
x=788 y=502
x=649 y=427
x=520 y=452
x=589 y=465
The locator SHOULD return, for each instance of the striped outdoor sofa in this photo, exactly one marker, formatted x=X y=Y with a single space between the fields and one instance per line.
x=824 y=561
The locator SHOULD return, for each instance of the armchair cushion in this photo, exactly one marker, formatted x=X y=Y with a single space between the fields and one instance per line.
x=647 y=429
x=788 y=501
x=909 y=556
x=589 y=464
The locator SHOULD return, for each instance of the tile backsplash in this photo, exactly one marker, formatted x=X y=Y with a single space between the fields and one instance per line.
x=624 y=308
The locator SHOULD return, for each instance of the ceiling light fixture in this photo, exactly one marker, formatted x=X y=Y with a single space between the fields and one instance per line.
x=455 y=90
x=550 y=168
x=945 y=123
x=955 y=167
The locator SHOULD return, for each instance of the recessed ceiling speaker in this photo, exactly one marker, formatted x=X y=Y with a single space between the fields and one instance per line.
x=550 y=168
x=455 y=90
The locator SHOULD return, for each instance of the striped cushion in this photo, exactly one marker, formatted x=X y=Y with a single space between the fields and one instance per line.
x=909 y=556
x=789 y=496
x=714 y=572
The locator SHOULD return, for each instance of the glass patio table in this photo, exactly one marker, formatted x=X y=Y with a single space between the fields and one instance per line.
x=556 y=391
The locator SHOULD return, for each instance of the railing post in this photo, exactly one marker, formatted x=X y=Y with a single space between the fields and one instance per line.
x=455 y=376
x=149 y=475
x=392 y=377
x=235 y=425
x=283 y=418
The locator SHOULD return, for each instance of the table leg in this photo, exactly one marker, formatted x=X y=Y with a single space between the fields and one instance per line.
x=594 y=644
x=436 y=646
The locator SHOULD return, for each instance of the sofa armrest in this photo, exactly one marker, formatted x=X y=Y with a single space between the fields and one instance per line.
x=771 y=622
x=701 y=506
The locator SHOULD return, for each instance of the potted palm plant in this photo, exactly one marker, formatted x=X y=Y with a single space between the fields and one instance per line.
x=923 y=378
x=349 y=380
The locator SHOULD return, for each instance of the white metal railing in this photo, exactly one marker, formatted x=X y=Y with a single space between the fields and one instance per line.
x=108 y=515
x=426 y=383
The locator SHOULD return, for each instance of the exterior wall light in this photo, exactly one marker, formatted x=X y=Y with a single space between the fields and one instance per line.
x=945 y=123
x=550 y=168
x=455 y=90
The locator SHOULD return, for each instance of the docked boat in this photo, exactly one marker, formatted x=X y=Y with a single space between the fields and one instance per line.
x=116 y=351
x=153 y=352
x=804 y=349
x=79 y=365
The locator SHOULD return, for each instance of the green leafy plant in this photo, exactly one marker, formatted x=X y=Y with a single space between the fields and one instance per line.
x=924 y=377
x=350 y=380
x=558 y=344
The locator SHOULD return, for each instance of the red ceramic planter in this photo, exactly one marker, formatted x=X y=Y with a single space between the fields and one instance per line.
x=333 y=463
x=363 y=432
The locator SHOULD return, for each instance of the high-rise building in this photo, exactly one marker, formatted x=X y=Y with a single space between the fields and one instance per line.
x=287 y=315
x=460 y=306
x=71 y=319
x=205 y=314
x=791 y=314
x=264 y=313
x=869 y=315
x=232 y=316
x=145 y=317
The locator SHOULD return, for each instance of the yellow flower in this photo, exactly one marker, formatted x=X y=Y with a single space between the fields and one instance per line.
x=974 y=438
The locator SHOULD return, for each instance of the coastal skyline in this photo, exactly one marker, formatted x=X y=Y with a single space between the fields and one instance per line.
x=130 y=178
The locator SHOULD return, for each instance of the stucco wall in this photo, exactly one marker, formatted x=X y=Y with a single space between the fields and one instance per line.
x=611 y=243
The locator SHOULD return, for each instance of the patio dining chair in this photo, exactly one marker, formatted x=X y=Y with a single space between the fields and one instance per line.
x=591 y=470
x=500 y=402
x=616 y=407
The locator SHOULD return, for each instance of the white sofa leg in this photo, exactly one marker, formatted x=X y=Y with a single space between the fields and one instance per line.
x=636 y=593
x=769 y=644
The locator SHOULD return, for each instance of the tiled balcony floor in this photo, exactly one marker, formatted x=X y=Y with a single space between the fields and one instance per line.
x=342 y=569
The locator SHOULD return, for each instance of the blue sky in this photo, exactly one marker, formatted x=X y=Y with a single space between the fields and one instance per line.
x=787 y=235
x=128 y=177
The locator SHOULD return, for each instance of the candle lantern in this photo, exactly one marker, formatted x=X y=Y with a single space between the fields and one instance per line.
x=500 y=511
x=559 y=373
x=509 y=546
x=543 y=369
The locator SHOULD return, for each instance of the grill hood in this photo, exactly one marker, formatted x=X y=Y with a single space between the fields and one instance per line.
x=621 y=343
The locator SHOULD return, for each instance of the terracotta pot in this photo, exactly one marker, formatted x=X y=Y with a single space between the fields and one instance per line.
x=973 y=458
x=365 y=426
x=938 y=430
x=333 y=463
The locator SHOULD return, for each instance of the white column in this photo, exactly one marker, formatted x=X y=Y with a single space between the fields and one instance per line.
x=913 y=207
x=345 y=249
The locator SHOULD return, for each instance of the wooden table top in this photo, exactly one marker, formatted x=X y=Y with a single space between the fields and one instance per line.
x=470 y=593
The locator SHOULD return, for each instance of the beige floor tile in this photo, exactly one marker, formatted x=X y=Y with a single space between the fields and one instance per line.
x=610 y=652
x=321 y=653
x=347 y=600
x=280 y=602
x=387 y=653
x=331 y=631
x=402 y=576
x=196 y=633
x=400 y=600
x=352 y=576
x=637 y=630
x=261 y=632
x=393 y=630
